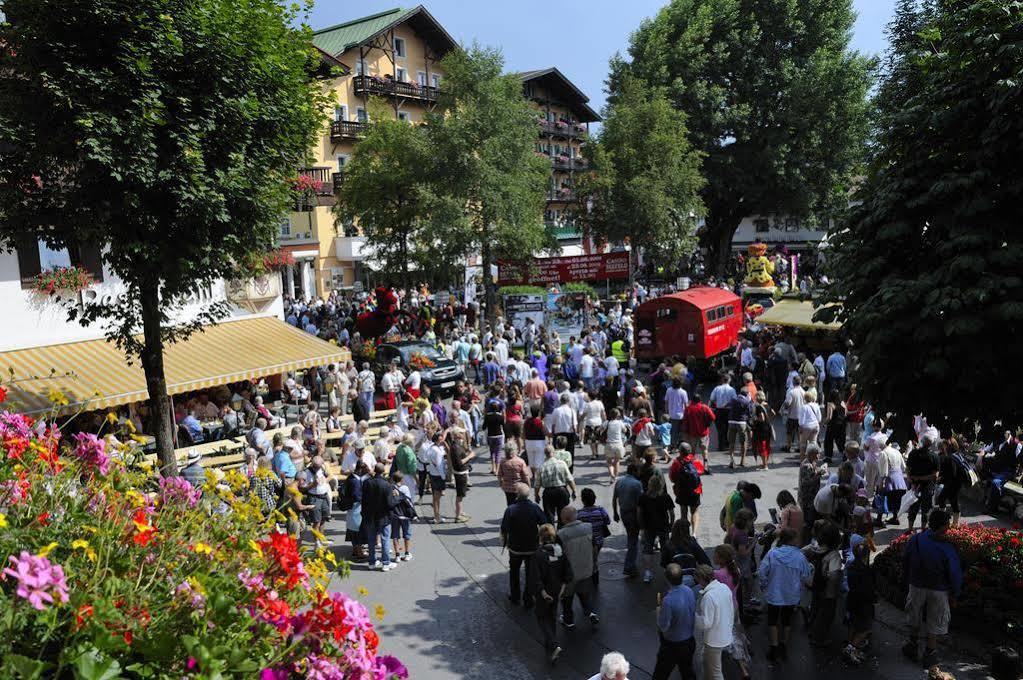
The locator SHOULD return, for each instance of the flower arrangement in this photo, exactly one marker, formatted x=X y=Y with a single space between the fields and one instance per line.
x=110 y=570
x=305 y=185
x=366 y=350
x=992 y=560
x=279 y=259
x=62 y=279
x=420 y=361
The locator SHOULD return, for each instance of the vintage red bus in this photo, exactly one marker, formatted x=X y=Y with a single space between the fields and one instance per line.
x=700 y=322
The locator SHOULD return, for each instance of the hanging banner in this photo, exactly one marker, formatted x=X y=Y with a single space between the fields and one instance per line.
x=544 y=270
x=518 y=308
x=566 y=314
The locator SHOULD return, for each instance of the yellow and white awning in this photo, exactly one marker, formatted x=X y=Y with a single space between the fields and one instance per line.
x=94 y=374
x=795 y=314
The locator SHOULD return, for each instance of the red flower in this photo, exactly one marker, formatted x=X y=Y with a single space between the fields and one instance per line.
x=44 y=518
x=1014 y=541
x=144 y=531
x=84 y=612
x=286 y=561
x=3 y=395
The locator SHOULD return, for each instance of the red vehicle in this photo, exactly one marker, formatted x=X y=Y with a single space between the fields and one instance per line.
x=700 y=322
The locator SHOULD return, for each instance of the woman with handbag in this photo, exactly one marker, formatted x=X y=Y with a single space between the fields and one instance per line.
x=598 y=518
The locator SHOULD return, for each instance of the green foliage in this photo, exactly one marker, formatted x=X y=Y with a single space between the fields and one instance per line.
x=774 y=100
x=571 y=287
x=646 y=178
x=927 y=266
x=482 y=137
x=163 y=131
x=579 y=287
x=521 y=290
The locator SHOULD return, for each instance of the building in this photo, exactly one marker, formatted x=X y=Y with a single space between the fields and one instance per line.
x=563 y=123
x=794 y=233
x=393 y=55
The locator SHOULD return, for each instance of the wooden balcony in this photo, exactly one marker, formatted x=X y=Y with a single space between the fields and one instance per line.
x=338 y=177
x=561 y=162
x=388 y=87
x=580 y=164
x=341 y=130
x=561 y=195
x=561 y=129
x=322 y=177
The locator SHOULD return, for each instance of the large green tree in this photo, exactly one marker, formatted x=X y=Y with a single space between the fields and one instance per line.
x=645 y=178
x=774 y=100
x=483 y=136
x=927 y=267
x=162 y=131
x=389 y=189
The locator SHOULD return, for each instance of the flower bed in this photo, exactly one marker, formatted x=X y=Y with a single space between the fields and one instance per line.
x=992 y=561
x=113 y=571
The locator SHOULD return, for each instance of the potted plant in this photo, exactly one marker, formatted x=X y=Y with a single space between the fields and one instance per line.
x=277 y=260
x=62 y=280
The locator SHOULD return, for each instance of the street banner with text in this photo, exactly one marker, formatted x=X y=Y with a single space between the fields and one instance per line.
x=544 y=270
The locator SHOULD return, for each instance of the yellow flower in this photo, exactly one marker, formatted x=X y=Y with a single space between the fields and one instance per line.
x=129 y=426
x=201 y=548
x=91 y=530
x=56 y=397
x=362 y=591
x=137 y=499
x=3 y=521
x=327 y=556
x=111 y=417
x=379 y=612
x=81 y=544
x=318 y=535
x=47 y=550
x=255 y=547
x=139 y=439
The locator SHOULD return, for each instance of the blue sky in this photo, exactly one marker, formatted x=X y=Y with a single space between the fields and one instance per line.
x=576 y=36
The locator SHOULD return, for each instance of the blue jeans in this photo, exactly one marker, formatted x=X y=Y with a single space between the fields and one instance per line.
x=631 y=523
x=383 y=530
x=367 y=400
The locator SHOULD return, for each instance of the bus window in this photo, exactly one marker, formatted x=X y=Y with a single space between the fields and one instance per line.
x=712 y=314
x=667 y=314
x=731 y=311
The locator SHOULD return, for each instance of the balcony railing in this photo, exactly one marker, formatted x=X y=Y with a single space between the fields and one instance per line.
x=561 y=195
x=564 y=231
x=325 y=185
x=580 y=164
x=561 y=162
x=338 y=178
x=393 y=88
x=346 y=129
x=561 y=129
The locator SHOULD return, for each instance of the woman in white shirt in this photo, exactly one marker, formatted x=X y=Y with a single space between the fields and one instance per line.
x=614 y=442
x=593 y=417
x=809 y=422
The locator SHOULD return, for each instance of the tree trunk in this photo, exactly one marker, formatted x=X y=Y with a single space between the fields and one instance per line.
x=156 y=382
x=487 y=315
x=718 y=241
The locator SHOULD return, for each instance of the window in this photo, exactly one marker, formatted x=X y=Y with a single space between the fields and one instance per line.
x=667 y=314
x=435 y=80
x=342 y=161
x=791 y=224
x=360 y=115
x=360 y=67
x=761 y=225
x=399 y=47
x=730 y=311
x=341 y=112
x=712 y=314
x=285 y=228
x=401 y=75
x=421 y=78
x=403 y=116
x=35 y=256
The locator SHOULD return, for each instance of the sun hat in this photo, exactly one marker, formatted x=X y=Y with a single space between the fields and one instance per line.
x=193 y=457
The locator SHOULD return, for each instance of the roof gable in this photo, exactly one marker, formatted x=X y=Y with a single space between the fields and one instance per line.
x=342 y=37
x=555 y=81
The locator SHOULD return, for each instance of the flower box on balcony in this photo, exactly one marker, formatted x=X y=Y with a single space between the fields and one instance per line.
x=62 y=280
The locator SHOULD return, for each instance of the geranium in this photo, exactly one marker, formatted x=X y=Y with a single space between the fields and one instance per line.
x=286 y=562
x=63 y=279
x=39 y=581
x=178 y=490
x=91 y=450
x=144 y=531
x=389 y=667
x=278 y=259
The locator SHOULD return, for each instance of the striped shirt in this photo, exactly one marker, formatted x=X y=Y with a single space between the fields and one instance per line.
x=553 y=473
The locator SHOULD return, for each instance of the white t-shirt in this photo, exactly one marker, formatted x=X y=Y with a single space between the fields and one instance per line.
x=414 y=380
x=367 y=381
x=810 y=415
x=586 y=366
x=794 y=402
x=593 y=413
x=611 y=365
x=616 y=430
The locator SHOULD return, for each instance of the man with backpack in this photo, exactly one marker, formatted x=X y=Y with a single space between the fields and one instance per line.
x=684 y=475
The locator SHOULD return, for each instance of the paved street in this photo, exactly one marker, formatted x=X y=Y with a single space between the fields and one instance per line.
x=447 y=613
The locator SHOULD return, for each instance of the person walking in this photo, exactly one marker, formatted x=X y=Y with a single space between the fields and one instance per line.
x=684 y=475
x=720 y=399
x=555 y=482
x=952 y=476
x=696 y=423
x=494 y=421
x=676 y=622
x=520 y=527
x=552 y=573
x=625 y=509
x=435 y=457
x=512 y=472
x=935 y=576
x=740 y=411
x=565 y=422
x=715 y=616
x=599 y=521
x=922 y=465
x=378 y=500
x=835 y=416
x=615 y=434
x=809 y=422
x=613 y=666
x=656 y=515
x=576 y=539
x=676 y=400
x=783 y=573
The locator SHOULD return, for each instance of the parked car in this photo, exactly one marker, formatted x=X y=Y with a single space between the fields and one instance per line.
x=440 y=378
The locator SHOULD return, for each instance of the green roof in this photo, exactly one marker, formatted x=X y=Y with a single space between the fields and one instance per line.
x=339 y=38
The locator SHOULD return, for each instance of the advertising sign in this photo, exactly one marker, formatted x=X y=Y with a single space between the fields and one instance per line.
x=544 y=270
x=518 y=308
x=566 y=314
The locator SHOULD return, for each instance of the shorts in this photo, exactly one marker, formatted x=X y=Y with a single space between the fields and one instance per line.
x=401 y=527
x=688 y=500
x=589 y=433
x=320 y=512
x=614 y=452
x=496 y=445
x=650 y=538
x=777 y=613
x=738 y=433
x=437 y=484
x=928 y=610
x=461 y=484
x=700 y=445
x=513 y=429
x=534 y=452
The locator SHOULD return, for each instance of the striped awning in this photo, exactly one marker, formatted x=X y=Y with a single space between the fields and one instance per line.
x=94 y=374
x=795 y=314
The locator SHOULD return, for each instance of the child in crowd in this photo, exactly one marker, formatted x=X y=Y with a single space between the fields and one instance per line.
x=664 y=436
x=861 y=600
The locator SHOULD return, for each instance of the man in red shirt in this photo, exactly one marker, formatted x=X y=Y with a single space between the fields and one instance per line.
x=696 y=423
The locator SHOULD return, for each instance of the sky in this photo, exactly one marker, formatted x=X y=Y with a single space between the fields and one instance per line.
x=576 y=36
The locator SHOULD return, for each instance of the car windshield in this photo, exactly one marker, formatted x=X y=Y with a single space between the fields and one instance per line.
x=429 y=351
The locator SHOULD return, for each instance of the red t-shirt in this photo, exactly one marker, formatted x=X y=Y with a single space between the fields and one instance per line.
x=697 y=419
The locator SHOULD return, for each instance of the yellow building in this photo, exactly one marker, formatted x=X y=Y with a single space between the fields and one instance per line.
x=563 y=125
x=392 y=55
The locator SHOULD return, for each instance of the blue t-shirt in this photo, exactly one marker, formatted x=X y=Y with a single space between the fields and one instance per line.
x=283 y=465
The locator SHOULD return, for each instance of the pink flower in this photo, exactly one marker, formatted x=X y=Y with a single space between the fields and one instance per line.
x=389 y=667
x=178 y=490
x=274 y=674
x=323 y=668
x=39 y=581
x=91 y=450
x=251 y=581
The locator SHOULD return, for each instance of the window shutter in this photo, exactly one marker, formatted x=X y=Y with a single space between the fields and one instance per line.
x=28 y=259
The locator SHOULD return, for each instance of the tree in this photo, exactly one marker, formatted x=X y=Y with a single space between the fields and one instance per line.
x=389 y=190
x=927 y=266
x=775 y=101
x=645 y=178
x=483 y=138
x=163 y=131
